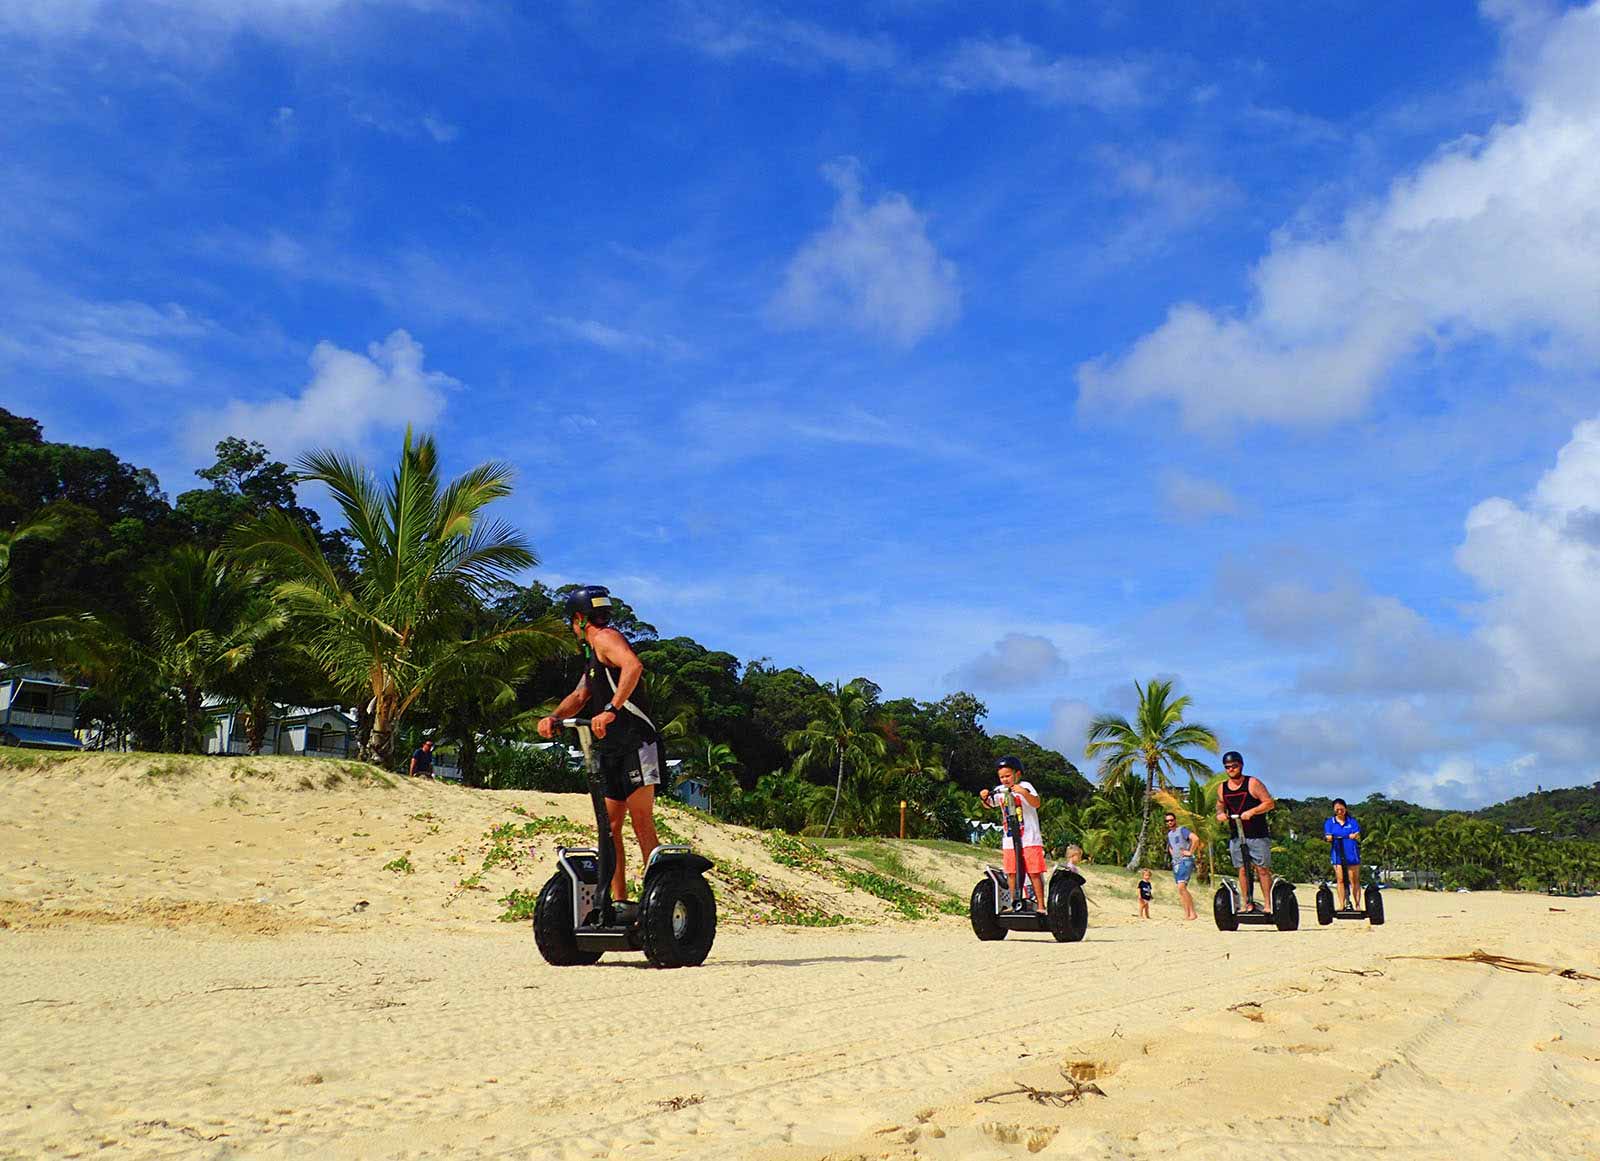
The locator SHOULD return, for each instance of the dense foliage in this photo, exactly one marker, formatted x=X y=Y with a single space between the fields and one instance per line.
x=414 y=614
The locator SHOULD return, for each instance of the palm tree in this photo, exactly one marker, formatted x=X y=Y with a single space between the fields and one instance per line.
x=844 y=734
x=204 y=618
x=427 y=560
x=1197 y=810
x=1153 y=744
x=714 y=763
x=45 y=526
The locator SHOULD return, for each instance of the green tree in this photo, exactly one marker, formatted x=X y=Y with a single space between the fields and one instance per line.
x=845 y=734
x=1152 y=745
x=428 y=559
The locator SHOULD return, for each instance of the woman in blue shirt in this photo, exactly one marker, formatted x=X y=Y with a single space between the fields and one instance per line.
x=1346 y=831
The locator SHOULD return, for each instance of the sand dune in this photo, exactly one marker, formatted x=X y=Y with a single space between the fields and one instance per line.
x=186 y=970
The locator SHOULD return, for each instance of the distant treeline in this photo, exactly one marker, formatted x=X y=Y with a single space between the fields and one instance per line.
x=411 y=613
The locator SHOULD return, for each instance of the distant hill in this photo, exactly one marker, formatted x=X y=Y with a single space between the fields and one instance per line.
x=1570 y=812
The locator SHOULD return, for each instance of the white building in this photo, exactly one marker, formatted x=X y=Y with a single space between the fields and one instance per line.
x=38 y=709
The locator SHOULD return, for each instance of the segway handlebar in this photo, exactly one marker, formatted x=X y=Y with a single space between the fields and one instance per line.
x=573 y=723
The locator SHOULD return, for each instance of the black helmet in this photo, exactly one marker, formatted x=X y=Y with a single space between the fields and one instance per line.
x=1233 y=756
x=1010 y=760
x=592 y=602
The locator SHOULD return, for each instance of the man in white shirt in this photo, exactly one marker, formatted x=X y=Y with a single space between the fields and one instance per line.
x=1025 y=800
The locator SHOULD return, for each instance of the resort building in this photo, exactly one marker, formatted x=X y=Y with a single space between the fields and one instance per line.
x=38 y=709
x=306 y=732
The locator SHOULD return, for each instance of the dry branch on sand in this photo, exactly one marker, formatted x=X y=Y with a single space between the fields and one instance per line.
x=1507 y=963
x=1056 y=1098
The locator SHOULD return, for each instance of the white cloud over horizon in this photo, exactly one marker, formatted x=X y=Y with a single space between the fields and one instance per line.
x=1015 y=661
x=1492 y=236
x=1012 y=64
x=1191 y=499
x=872 y=269
x=349 y=398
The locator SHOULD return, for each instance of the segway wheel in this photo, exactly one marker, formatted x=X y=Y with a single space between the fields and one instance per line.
x=552 y=925
x=679 y=920
x=1069 y=913
x=1285 y=907
x=1374 y=899
x=1324 y=906
x=980 y=909
x=1222 y=910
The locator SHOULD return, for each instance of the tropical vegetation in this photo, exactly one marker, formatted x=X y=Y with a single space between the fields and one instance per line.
x=417 y=615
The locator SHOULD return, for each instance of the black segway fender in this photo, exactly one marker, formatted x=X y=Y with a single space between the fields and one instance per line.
x=986 y=904
x=1068 y=907
x=1374 y=900
x=679 y=859
x=1285 y=906
x=1324 y=905
x=1225 y=907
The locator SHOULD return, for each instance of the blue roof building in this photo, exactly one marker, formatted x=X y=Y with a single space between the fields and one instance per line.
x=38 y=709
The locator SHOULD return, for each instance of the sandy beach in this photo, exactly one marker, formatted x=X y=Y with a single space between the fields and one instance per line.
x=212 y=961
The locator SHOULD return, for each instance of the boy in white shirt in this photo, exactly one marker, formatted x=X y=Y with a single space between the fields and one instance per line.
x=1026 y=799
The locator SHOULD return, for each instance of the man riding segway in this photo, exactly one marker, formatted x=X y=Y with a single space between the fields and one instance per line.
x=611 y=696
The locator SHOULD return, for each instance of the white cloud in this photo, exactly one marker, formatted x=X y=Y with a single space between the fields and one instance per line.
x=1463 y=783
x=1493 y=236
x=181 y=26
x=728 y=33
x=872 y=269
x=350 y=397
x=1190 y=499
x=610 y=338
x=1016 y=661
x=134 y=342
x=1012 y=64
x=1068 y=730
x=1539 y=567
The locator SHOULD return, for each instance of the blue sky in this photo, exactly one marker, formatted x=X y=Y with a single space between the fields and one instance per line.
x=1028 y=348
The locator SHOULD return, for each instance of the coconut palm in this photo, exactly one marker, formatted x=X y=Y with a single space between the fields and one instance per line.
x=1152 y=745
x=844 y=734
x=427 y=559
x=42 y=527
x=1196 y=809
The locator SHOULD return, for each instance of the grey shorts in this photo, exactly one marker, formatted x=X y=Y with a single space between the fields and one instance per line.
x=1260 y=852
x=631 y=767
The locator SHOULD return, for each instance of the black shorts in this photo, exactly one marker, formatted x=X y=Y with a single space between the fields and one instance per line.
x=630 y=767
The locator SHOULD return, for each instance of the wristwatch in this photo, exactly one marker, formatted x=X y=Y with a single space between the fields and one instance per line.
x=611 y=709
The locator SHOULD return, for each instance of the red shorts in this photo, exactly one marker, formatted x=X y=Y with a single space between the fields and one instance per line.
x=1032 y=859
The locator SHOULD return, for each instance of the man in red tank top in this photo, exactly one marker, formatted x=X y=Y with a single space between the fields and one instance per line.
x=1248 y=799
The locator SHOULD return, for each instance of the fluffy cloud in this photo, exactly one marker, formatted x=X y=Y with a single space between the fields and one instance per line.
x=1068 y=729
x=1012 y=64
x=726 y=33
x=180 y=25
x=872 y=269
x=132 y=342
x=1538 y=564
x=1016 y=661
x=1190 y=499
x=350 y=397
x=1490 y=237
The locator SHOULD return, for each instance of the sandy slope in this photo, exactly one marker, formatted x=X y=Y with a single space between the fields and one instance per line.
x=182 y=975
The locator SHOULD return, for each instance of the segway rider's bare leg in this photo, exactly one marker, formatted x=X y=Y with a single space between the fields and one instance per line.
x=1038 y=887
x=617 y=813
x=1264 y=877
x=642 y=813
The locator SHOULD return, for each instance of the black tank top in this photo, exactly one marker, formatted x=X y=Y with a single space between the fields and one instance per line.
x=1240 y=800
x=634 y=722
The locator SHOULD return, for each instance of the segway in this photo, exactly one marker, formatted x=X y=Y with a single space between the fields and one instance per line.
x=575 y=920
x=1226 y=907
x=995 y=914
x=1326 y=913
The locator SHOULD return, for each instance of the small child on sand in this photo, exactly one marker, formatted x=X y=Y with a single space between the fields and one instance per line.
x=1145 y=892
x=1074 y=857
